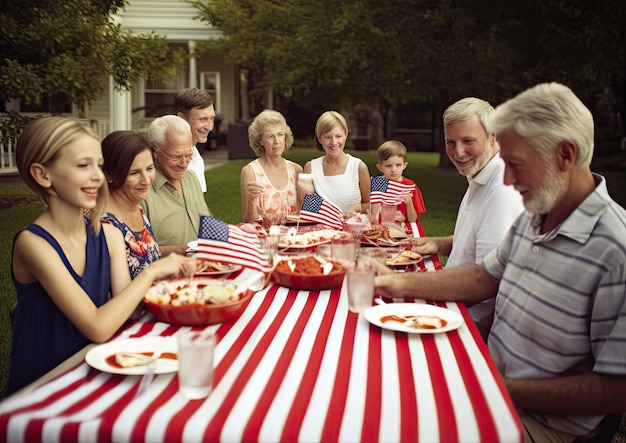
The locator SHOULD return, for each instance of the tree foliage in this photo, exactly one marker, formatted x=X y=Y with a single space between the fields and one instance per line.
x=386 y=54
x=69 y=48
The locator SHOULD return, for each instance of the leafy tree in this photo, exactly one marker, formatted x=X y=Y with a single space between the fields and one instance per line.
x=357 y=52
x=398 y=52
x=68 y=48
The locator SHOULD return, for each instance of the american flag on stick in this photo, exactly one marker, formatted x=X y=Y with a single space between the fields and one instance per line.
x=388 y=192
x=222 y=242
x=317 y=210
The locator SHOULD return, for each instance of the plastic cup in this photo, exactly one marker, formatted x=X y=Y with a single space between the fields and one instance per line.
x=324 y=249
x=195 y=364
x=373 y=254
x=344 y=250
x=360 y=288
x=269 y=244
x=388 y=213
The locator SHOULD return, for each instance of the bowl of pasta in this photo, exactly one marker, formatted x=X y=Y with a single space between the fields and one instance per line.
x=308 y=272
x=199 y=302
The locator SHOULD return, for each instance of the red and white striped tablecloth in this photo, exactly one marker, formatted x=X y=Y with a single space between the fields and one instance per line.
x=295 y=366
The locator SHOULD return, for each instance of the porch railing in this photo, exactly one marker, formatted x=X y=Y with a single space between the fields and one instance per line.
x=7 y=148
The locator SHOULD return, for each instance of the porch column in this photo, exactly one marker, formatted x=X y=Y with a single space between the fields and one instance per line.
x=119 y=109
x=193 y=68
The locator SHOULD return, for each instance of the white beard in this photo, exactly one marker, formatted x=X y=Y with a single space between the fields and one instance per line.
x=545 y=198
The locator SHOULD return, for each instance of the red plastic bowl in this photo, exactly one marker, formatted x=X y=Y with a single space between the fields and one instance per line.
x=307 y=281
x=197 y=314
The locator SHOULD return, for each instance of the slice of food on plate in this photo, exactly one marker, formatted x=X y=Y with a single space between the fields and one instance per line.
x=210 y=266
x=428 y=322
x=405 y=257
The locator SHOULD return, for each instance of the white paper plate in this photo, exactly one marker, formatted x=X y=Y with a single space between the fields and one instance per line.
x=97 y=356
x=373 y=315
x=399 y=265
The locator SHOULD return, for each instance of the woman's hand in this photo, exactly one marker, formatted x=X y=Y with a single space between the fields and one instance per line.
x=254 y=190
x=174 y=265
x=354 y=210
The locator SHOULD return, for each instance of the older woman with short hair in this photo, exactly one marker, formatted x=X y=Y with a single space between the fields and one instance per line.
x=268 y=183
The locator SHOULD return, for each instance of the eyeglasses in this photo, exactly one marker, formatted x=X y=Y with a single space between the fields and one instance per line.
x=177 y=158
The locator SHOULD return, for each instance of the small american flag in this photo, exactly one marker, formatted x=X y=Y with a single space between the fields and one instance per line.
x=317 y=210
x=387 y=192
x=222 y=242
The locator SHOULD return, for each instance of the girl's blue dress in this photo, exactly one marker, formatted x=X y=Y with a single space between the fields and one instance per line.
x=42 y=336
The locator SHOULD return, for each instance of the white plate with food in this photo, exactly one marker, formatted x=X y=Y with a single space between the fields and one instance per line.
x=206 y=268
x=107 y=357
x=384 y=235
x=414 y=318
x=310 y=239
x=404 y=258
x=395 y=230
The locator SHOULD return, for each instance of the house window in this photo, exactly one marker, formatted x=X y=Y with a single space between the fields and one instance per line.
x=210 y=82
x=160 y=94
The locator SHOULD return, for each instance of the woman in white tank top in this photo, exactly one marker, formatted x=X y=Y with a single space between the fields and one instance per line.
x=338 y=176
x=268 y=184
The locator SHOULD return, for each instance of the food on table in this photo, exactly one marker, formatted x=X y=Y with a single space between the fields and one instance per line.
x=133 y=359
x=395 y=232
x=269 y=220
x=311 y=238
x=384 y=233
x=417 y=321
x=404 y=258
x=309 y=265
x=130 y=359
x=211 y=266
x=201 y=292
x=428 y=322
x=377 y=232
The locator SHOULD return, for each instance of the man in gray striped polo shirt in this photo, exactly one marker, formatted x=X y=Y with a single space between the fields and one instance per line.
x=559 y=275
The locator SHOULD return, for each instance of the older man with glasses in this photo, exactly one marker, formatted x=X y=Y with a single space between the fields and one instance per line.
x=176 y=201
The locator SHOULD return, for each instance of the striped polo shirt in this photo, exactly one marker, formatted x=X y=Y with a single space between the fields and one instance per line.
x=561 y=303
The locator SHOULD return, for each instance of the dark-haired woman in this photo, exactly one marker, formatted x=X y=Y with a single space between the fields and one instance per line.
x=130 y=171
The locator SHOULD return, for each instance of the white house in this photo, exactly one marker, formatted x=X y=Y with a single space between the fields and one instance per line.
x=148 y=99
x=174 y=20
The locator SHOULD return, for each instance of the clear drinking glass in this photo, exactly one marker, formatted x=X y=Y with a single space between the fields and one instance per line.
x=388 y=213
x=344 y=250
x=379 y=255
x=195 y=364
x=360 y=288
x=270 y=245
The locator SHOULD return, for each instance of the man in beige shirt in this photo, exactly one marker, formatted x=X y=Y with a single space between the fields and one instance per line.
x=176 y=201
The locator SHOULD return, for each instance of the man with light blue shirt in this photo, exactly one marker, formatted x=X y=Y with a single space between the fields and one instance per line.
x=559 y=276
